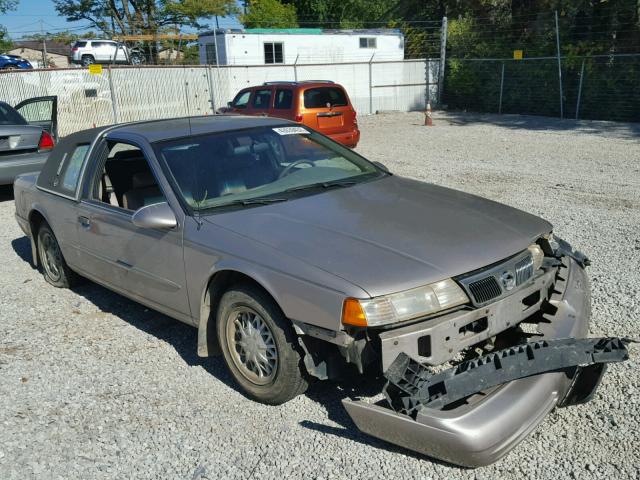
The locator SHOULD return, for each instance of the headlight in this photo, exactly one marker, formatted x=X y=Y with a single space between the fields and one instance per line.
x=403 y=305
x=537 y=255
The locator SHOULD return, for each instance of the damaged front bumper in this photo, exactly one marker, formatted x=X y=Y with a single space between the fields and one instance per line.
x=488 y=425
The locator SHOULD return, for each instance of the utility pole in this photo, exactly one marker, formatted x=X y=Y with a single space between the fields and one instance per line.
x=44 y=46
x=443 y=60
x=559 y=66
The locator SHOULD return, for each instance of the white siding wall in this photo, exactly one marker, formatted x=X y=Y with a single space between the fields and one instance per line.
x=144 y=93
x=248 y=48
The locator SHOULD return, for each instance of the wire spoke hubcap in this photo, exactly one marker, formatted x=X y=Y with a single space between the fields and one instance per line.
x=252 y=346
x=50 y=256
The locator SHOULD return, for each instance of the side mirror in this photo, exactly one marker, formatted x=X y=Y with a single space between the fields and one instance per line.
x=230 y=104
x=158 y=215
x=381 y=166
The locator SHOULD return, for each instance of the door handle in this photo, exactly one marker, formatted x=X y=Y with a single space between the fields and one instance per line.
x=84 y=221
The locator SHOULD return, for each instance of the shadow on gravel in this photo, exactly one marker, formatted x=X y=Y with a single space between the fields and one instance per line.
x=180 y=336
x=6 y=193
x=183 y=338
x=622 y=130
x=22 y=247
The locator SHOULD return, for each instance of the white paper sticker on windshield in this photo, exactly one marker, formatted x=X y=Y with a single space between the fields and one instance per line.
x=291 y=131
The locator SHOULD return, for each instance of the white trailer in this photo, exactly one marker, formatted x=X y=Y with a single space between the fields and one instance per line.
x=273 y=46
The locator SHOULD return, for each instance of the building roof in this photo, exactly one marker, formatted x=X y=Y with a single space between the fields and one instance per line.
x=57 y=48
x=302 y=31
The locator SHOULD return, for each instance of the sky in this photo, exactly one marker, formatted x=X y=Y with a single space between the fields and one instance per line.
x=32 y=15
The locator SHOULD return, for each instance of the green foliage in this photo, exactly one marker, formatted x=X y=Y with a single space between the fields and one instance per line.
x=128 y=17
x=269 y=14
x=7 y=5
x=342 y=13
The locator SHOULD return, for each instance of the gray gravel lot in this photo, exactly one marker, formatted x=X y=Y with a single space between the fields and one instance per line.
x=95 y=386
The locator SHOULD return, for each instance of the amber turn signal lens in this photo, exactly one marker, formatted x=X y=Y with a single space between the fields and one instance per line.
x=352 y=313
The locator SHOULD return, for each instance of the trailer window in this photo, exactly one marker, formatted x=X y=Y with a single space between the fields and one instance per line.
x=368 y=42
x=273 y=52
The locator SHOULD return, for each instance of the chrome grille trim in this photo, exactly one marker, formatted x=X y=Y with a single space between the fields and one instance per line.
x=524 y=270
x=485 y=290
x=486 y=284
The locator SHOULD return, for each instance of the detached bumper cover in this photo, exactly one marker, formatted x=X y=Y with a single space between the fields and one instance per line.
x=489 y=426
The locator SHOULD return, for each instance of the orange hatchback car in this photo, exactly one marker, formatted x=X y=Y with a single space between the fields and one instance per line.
x=320 y=104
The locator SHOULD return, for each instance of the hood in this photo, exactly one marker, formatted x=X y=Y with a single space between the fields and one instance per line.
x=390 y=234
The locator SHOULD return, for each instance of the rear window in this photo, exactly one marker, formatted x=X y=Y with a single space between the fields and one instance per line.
x=321 y=96
x=80 y=44
x=8 y=116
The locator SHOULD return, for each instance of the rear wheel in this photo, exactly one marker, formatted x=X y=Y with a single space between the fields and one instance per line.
x=10 y=67
x=54 y=267
x=259 y=346
x=87 y=60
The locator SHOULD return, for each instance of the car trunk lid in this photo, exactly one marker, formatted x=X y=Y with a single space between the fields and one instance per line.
x=19 y=138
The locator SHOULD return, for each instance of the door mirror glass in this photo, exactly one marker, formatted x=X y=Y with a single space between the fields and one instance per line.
x=229 y=104
x=158 y=215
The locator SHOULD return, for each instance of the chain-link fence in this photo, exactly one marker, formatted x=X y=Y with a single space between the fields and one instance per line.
x=548 y=63
x=124 y=94
x=603 y=87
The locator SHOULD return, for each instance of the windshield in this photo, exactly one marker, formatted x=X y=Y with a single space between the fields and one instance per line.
x=258 y=165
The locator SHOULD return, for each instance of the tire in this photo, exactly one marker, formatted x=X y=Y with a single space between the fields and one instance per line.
x=10 y=67
x=87 y=60
x=272 y=379
x=54 y=267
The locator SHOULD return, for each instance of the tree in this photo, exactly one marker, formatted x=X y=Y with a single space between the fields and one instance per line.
x=269 y=14
x=7 y=5
x=135 y=17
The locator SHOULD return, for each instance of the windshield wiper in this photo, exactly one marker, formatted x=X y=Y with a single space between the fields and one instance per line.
x=252 y=201
x=325 y=185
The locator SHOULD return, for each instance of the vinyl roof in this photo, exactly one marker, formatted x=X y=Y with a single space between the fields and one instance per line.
x=157 y=130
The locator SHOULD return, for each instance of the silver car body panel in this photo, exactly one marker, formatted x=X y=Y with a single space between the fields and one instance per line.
x=390 y=234
x=483 y=431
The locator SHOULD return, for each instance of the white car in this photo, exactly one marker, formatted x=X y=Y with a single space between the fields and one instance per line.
x=86 y=52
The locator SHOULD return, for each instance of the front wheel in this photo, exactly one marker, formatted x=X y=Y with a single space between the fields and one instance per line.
x=259 y=346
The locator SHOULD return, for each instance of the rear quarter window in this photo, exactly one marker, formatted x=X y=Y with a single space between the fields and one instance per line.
x=80 y=44
x=73 y=167
x=283 y=100
x=61 y=172
x=321 y=96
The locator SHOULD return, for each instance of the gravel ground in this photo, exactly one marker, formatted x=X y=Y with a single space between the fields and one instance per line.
x=95 y=386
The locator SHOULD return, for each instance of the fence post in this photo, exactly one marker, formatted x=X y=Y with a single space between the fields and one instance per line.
x=295 y=68
x=443 y=59
x=113 y=96
x=371 y=85
x=212 y=98
x=501 y=88
x=559 y=65
x=580 y=88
